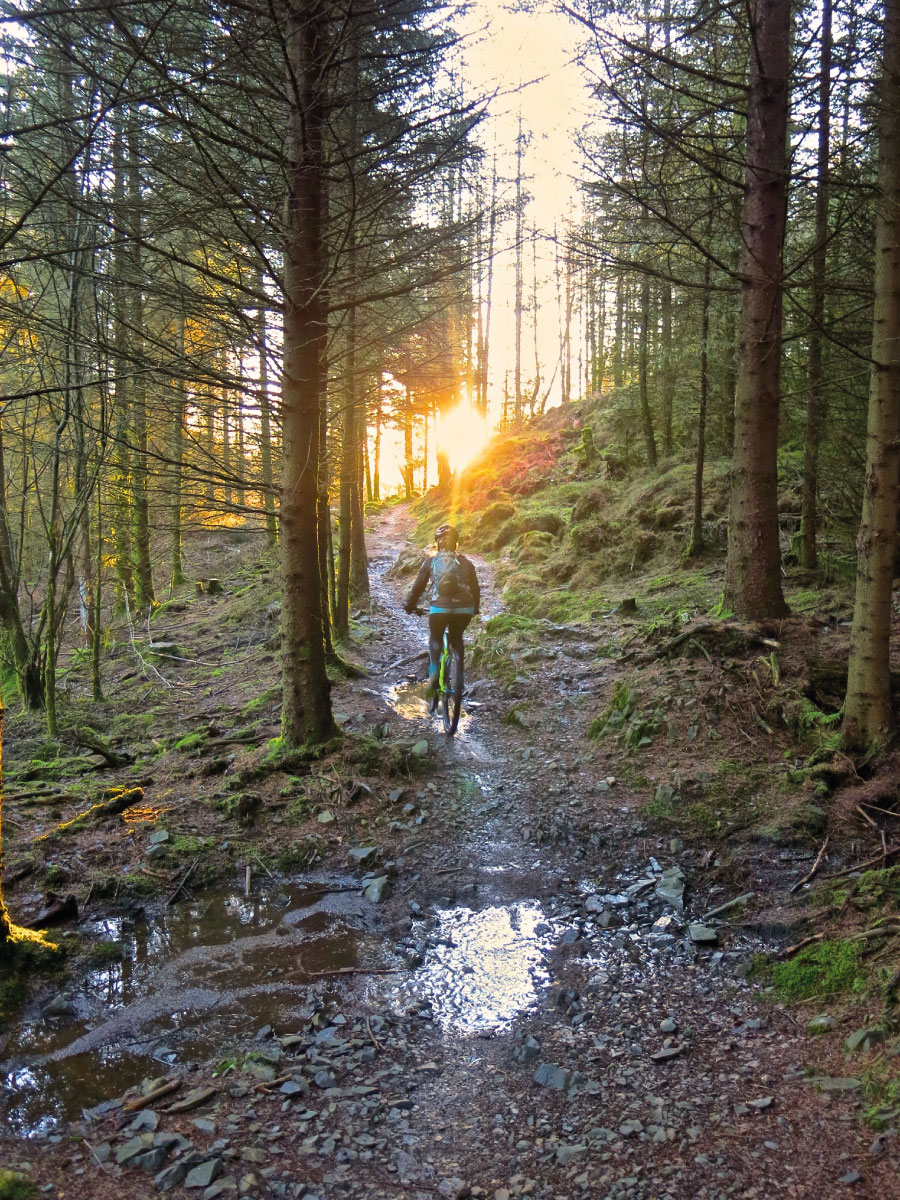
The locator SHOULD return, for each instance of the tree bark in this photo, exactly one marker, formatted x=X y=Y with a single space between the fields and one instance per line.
x=753 y=565
x=696 y=543
x=815 y=408
x=868 y=715
x=306 y=712
x=265 y=428
x=643 y=383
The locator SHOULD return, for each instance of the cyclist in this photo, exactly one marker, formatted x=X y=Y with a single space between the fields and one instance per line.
x=455 y=597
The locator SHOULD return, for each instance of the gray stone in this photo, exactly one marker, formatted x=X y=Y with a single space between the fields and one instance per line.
x=702 y=935
x=220 y=1187
x=158 y=836
x=671 y=888
x=170 y=1177
x=851 y=1177
x=205 y=1125
x=565 y=1154
x=547 y=1075
x=263 y=1071
x=865 y=1039
x=528 y=1051
x=666 y=1054
x=204 y=1173
x=832 y=1083
x=136 y=1145
x=420 y=749
x=325 y=817
x=378 y=890
x=59 y=1006
x=627 y=1128
x=820 y=1024
x=292 y=1088
x=146 y=1120
x=324 y=1079
x=362 y=855
x=253 y=1154
x=151 y=1160
x=669 y=1025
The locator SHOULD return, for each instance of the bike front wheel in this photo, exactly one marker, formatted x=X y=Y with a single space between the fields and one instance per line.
x=451 y=697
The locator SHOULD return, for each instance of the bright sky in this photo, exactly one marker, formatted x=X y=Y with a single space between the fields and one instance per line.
x=526 y=61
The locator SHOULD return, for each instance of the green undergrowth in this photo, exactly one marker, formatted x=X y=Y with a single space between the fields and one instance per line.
x=821 y=972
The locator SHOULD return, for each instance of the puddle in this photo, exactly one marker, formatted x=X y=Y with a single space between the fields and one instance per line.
x=189 y=979
x=408 y=701
x=488 y=967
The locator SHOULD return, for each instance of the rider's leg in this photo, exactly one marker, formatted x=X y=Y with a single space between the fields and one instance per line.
x=437 y=623
x=456 y=624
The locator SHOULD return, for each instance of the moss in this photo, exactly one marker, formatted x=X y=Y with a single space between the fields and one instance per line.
x=266 y=699
x=192 y=742
x=880 y=889
x=14 y=1186
x=190 y=844
x=821 y=971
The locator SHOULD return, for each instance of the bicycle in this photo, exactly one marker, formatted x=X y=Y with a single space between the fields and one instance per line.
x=450 y=684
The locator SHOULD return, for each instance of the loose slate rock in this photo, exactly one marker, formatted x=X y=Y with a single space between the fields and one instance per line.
x=378 y=890
x=547 y=1075
x=702 y=935
x=666 y=1054
x=671 y=888
x=203 y=1175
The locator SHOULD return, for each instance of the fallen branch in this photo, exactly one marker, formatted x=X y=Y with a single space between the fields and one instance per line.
x=182 y=881
x=863 y=866
x=165 y=1089
x=885 y=812
x=809 y=874
x=106 y=808
x=868 y=820
x=410 y=658
x=267 y=1084
x=375 y=1041
x=801 y=945
x=350 y=971
x=874 y=932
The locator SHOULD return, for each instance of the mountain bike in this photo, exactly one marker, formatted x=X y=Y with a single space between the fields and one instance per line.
x=451 y=683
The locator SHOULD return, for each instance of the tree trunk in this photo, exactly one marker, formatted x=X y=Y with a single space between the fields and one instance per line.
x=815 y=408
x=696 y=543
x=176 y=563
x=868 y=716
x=143 y=566
x=668 y=377
x=643 y=385
x=265 y=428
x=5 y=923
x=753 y=565
x=306 y=712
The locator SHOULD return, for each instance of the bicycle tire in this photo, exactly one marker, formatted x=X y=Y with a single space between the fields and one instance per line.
x=451 y=698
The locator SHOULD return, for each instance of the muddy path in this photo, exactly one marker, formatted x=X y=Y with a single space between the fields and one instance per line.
x=539 y=1005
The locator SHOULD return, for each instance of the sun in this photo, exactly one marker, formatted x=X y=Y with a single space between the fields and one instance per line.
x=462 y=433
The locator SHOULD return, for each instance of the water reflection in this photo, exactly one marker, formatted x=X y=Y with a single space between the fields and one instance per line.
x=488 y=965
x=189 y=978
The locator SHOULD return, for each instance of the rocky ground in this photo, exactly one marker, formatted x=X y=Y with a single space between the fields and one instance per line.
x=545 y=999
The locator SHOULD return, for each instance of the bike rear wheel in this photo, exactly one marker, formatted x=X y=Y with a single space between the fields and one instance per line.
x=451 y=696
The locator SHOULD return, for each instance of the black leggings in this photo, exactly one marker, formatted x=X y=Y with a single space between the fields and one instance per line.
x=454 y=623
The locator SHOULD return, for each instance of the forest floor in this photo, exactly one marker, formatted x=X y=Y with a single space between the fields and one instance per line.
x=521 y=1002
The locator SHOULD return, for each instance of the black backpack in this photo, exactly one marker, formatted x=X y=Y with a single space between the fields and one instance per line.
x=448 y=588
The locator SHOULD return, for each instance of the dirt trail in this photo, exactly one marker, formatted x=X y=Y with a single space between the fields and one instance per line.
x=551 y=1030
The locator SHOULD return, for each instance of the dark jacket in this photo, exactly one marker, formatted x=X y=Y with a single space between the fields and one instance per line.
x=423 y=580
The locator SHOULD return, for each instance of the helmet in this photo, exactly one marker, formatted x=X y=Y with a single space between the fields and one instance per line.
x=447 y=533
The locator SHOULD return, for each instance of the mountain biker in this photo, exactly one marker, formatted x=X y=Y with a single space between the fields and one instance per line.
x=455 y=597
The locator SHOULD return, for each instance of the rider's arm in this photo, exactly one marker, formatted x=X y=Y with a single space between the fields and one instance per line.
x=415 y=593
x=473 y=584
